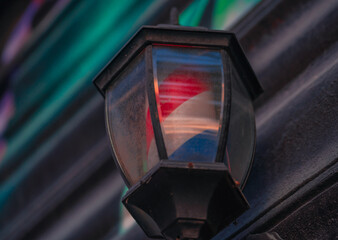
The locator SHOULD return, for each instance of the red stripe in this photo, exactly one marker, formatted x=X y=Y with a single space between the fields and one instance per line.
x=176 y=89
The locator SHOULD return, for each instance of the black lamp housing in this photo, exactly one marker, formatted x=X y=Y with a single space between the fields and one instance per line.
x=180 y=198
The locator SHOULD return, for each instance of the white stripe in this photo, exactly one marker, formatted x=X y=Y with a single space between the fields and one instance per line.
x=188 y=120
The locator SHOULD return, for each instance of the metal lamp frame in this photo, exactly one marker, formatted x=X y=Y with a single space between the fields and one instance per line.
x=213 y=179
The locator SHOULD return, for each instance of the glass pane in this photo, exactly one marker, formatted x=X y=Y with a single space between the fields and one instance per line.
x=241 y=136
x=128 y=121
x=189 y=88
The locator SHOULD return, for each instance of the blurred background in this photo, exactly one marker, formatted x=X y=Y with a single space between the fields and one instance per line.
x=55 y=162
x=57 y=176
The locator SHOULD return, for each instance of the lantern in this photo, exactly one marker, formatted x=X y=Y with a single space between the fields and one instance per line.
x=181 y=123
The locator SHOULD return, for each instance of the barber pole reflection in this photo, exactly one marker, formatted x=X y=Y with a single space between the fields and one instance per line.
x=187 y=114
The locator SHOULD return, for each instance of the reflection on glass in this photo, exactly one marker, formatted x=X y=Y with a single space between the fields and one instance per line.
x=127 y=121
x=189 y=88
x=241 y=136
x=190 y=91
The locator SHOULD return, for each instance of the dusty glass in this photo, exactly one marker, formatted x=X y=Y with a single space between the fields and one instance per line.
x=128 y=121
x=241 y=135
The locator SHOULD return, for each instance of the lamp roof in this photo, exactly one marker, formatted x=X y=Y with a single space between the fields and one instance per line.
x=179 y=35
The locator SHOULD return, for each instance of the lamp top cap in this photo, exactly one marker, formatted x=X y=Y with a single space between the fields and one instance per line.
x=179 y=35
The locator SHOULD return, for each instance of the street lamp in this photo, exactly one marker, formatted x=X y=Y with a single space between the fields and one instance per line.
x=181 y=123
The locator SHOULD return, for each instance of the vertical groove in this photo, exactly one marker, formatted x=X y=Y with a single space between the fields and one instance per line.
x=225 y=116
x=162 y=152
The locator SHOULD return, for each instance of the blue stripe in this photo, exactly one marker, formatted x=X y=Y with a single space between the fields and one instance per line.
x=201 y=148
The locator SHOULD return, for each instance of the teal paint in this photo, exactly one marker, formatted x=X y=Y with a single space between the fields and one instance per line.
x=63 y=65
x=68 y=68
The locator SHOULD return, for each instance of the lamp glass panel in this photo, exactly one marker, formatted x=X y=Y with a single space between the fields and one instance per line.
x=241 y=135
x=128 y=120
x=189 y=88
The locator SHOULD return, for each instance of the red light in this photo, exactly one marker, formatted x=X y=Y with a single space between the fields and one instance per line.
x=176 y=89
